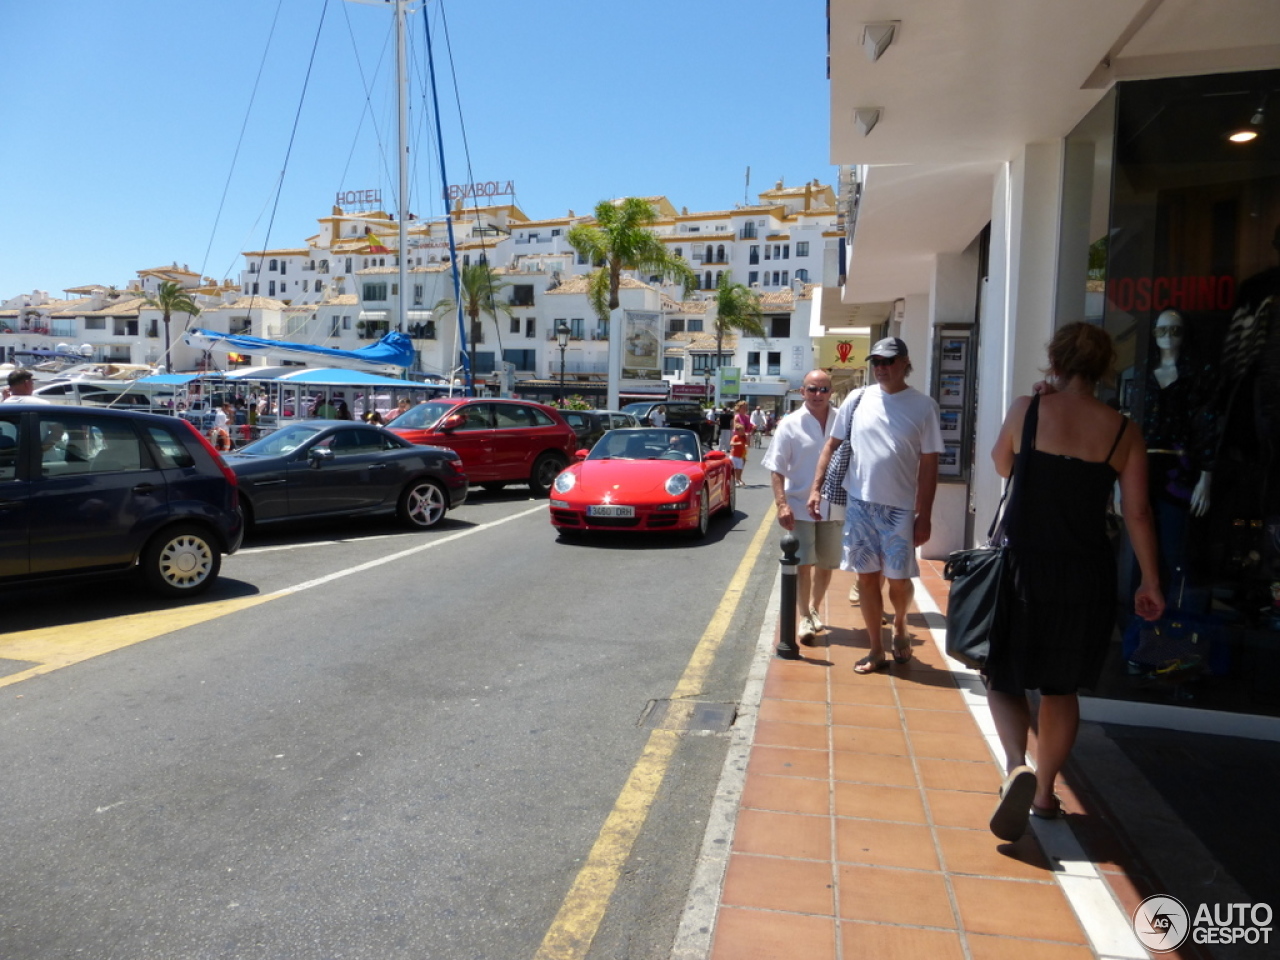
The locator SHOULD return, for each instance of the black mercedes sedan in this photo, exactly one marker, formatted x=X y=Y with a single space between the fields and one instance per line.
x=328 y=468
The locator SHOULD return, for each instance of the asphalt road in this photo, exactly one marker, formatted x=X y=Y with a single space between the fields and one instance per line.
x=369 y=743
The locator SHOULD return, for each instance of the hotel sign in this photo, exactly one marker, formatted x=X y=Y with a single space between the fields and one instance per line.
x=487 y=188
x=353 y=198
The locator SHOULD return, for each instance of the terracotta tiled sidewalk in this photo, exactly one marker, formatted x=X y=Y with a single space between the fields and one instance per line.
x=862 y=829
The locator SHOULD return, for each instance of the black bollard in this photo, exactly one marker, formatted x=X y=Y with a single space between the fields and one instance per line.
x=787 y=648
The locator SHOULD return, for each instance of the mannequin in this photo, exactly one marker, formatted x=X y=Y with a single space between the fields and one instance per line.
x=1173 y=396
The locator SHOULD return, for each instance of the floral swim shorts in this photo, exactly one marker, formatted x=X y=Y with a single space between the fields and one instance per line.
x=879 y=538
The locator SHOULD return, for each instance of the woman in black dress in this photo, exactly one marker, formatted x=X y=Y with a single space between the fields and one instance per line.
x=1063 y=567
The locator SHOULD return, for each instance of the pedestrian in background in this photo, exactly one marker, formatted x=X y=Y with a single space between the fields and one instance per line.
x=758 y=424
x=1064 y=572
x=792 y=459
x=658 y=416
x=891 y=482
x=738 y=453
x=22 y=384
x=724 y=422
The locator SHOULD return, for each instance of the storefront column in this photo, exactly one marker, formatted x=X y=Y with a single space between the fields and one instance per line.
x=1018 y=303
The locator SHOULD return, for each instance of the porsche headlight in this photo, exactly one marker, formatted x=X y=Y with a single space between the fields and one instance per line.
x=678 y=483
x=565 y=481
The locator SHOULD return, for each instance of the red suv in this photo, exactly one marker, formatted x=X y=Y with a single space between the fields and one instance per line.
x=500 y=441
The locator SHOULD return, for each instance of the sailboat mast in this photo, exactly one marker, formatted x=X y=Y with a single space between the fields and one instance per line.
x=402 y=149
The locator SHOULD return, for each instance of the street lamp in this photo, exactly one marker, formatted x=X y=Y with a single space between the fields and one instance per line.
x=562 y=338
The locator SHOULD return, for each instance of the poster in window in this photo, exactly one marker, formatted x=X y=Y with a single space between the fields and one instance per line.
x=953 y=352
x=949 y=460
x=949 y=421
x=951 y=390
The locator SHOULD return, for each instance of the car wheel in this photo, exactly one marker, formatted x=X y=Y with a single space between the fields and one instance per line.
x=545 y=470
x=246 y=513
x=181 y=561
x=423 y=504
x=732 y=506
x=492 y=486
x=704 y=515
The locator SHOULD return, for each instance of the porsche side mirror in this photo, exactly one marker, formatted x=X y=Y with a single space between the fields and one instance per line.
x=715 y=455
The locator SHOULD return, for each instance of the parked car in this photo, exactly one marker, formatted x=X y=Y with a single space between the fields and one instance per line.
x=87 y=492
x=591 y=425
x=646 y=479
x=500 y=441
x=686 y=416
x=329 y=468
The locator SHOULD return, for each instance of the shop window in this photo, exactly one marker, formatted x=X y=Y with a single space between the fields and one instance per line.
x=1168 y=239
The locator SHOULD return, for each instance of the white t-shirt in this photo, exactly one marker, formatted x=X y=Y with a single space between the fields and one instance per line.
x=890 y=432
x=15 y=398
x=658 y=418
x=793 y=452
x=758 y=419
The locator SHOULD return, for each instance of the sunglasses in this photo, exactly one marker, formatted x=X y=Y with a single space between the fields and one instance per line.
x=883 y=361
x=809 y=389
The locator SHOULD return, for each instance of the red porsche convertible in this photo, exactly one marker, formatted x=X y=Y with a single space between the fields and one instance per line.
x=644 y=479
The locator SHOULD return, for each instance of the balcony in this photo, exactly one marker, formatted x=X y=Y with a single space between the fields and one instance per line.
x=576 y=368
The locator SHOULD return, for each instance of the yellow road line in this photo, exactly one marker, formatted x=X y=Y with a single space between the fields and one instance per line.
x=583 y=909
x=57 y=647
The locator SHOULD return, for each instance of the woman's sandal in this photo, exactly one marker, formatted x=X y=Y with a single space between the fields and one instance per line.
x=870 y=664
x=1048 y=813
x=901 y=649
x=1009 y=822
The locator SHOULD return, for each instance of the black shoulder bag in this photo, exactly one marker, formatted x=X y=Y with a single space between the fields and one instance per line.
x=981 y=582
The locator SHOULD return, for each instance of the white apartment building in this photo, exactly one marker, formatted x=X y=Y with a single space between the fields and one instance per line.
x=340 y=288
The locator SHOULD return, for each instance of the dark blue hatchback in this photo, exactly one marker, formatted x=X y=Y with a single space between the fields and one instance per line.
x=88 y=492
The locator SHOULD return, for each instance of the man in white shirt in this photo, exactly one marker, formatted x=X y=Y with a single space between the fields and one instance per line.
x=21 y=386
x=792 y=460
x=658 y=416
x=759 y=420
x=892 y=479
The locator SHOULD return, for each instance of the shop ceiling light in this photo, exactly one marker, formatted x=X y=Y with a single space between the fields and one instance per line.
x=1250 y=132
x=865 y=119
x=876 y=38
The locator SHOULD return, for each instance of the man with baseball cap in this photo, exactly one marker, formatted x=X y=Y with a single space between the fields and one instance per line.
x=21 y=386
x=891 y=482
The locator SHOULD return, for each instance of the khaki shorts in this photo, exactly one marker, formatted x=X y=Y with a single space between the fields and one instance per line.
x=820 y=542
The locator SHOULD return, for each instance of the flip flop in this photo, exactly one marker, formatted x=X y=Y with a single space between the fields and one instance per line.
x=901 y=649
x=870 y=664
x=1009 y=822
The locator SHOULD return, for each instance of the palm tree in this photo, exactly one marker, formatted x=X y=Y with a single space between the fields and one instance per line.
x=172 y=298
x=737 y=308
x=620 y=240
x=480 y=286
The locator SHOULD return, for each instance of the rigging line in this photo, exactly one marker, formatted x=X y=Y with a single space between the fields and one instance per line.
x=293 y=133
x=475 y=203
x=464 y=360
x=253 y=95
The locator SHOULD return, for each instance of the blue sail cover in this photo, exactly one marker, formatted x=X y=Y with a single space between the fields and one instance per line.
x=393 y=350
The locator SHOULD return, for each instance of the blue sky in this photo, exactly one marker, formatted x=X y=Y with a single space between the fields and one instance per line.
x=123 y=121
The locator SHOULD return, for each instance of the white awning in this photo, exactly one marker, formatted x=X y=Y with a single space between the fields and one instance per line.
x=374 y=314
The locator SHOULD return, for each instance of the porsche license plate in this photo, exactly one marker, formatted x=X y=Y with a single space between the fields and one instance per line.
x=610 y=510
